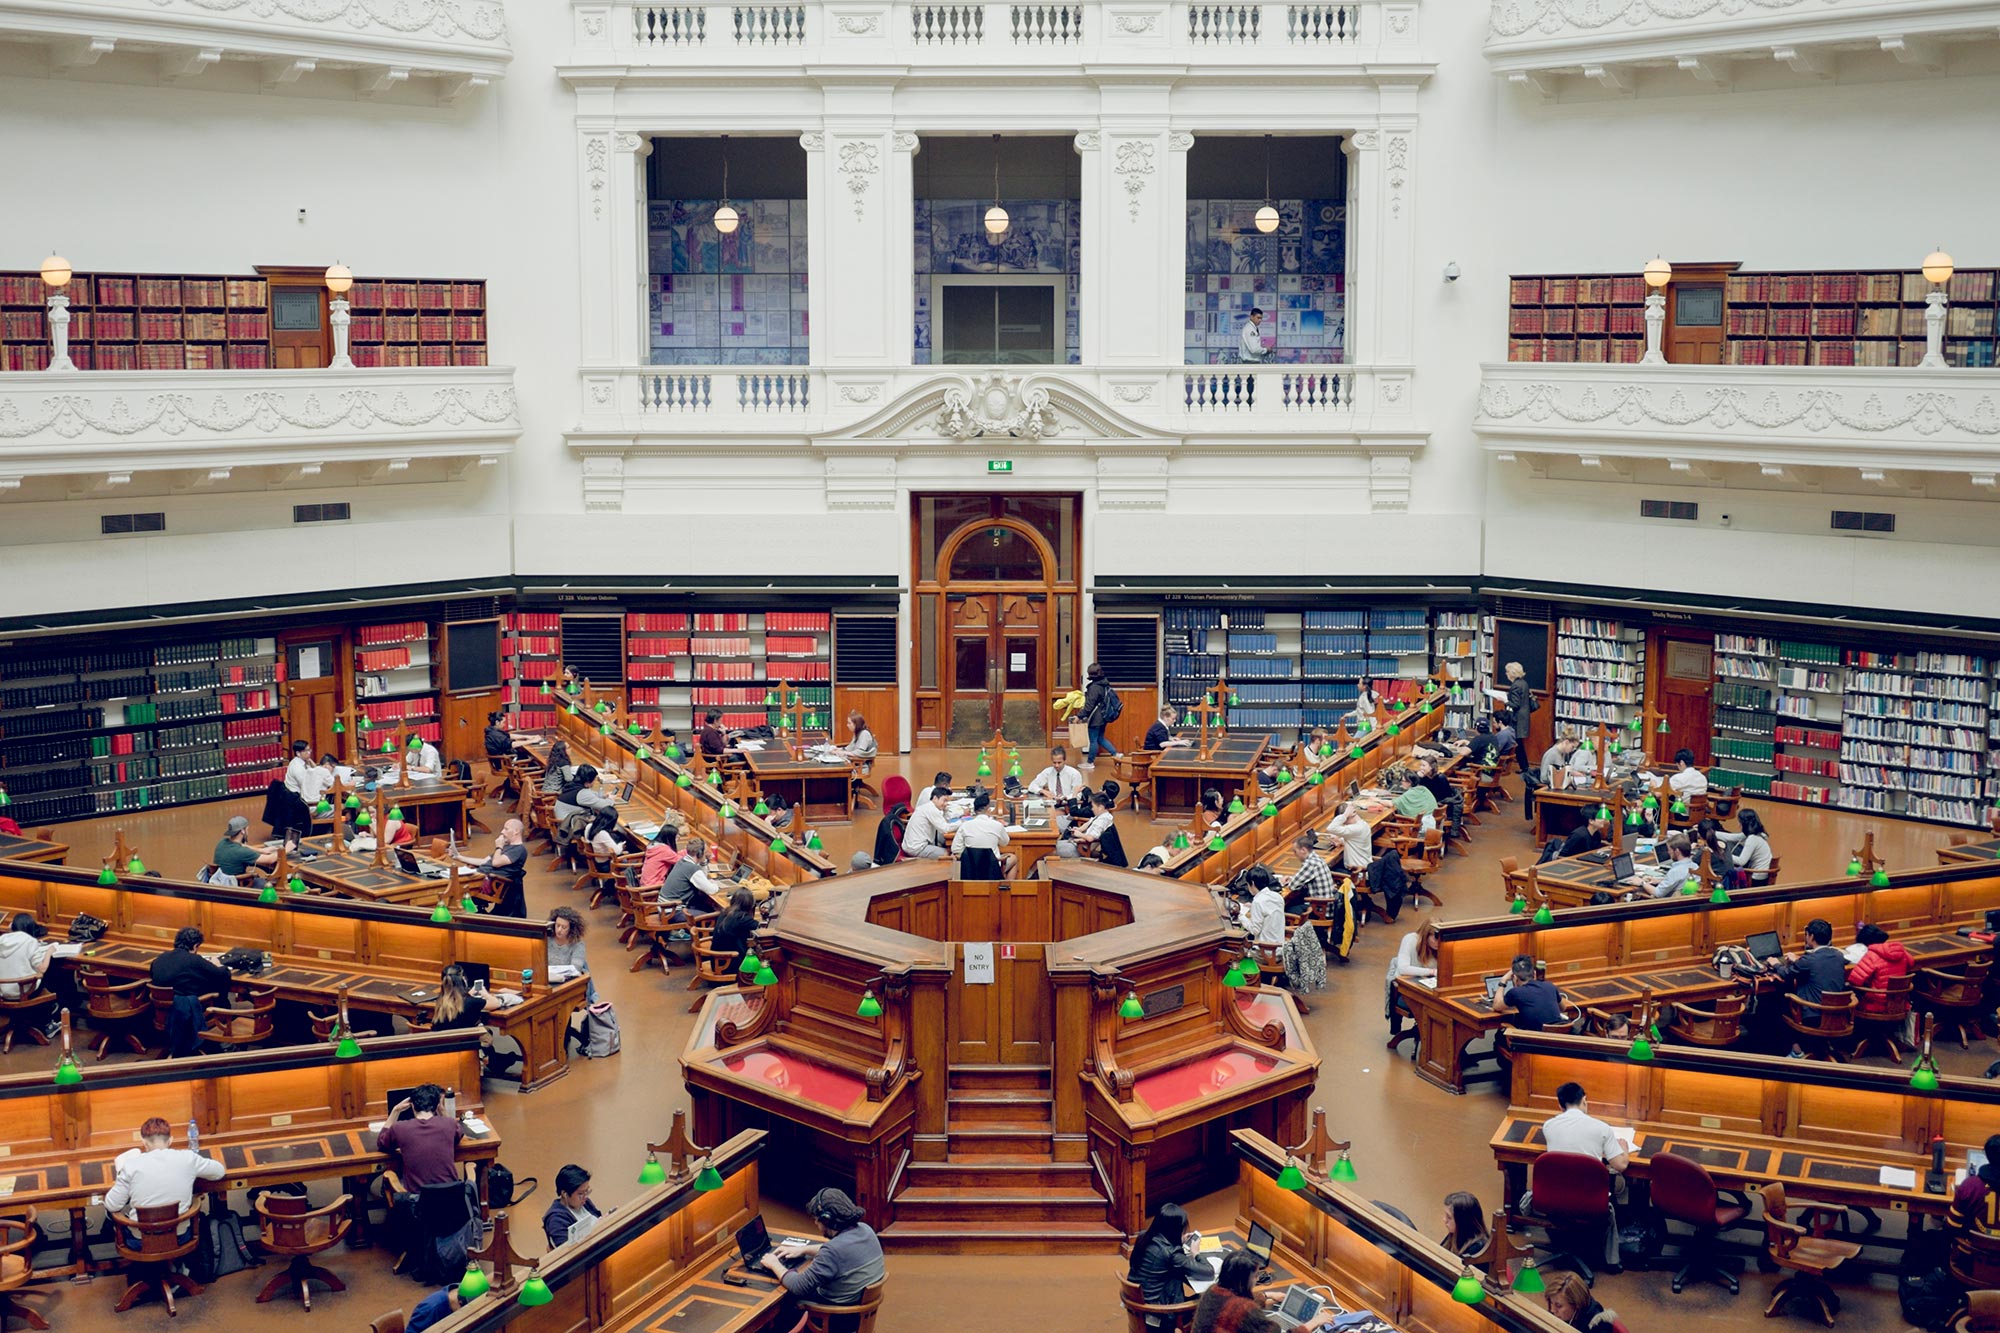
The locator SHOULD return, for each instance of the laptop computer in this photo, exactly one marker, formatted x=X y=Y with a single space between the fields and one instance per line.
x=753 y=1241
x=1259 y=1242
x=398 y=1096
x=1299 y=1307
x=1765 y=945
x=1621 y=869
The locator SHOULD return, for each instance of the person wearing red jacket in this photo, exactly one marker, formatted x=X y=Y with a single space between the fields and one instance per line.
x=1883 y=960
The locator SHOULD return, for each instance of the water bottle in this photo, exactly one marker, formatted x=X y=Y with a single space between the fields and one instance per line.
x=451 y=1103
x=527 y=979
x=194 y=1137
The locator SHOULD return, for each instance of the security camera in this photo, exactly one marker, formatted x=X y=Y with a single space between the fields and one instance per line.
x=1725 y=520
x=1451 y=273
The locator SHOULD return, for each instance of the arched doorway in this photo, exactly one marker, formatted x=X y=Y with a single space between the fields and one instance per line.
x=996 y=616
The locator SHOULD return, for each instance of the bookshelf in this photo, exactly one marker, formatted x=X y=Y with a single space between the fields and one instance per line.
x=680 y=664
x=1595 y=317
x=1600 y=673
x=395 y=685
x=1915 y=735
x=530 y=653
x=1838 y=318
x=1462 y=646
x=151 y=321
x=1744 y=740
x=133 y=728
x=1809 y=683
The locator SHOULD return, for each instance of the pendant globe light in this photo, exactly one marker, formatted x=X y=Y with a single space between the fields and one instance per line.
x=996 y=216
x=727 y=220
x=1267 y=216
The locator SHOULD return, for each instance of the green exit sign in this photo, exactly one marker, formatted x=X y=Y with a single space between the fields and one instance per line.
x=999 y=465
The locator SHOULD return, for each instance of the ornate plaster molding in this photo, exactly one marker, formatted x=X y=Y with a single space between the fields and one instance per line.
x=1135 y=165
x=860 y=161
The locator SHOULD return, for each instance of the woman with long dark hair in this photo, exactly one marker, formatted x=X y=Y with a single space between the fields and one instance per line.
x=1232 y=1305
x=1465 y=1232
x=1164 y=1261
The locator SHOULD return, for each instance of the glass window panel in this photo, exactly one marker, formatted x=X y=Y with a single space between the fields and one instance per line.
x=1065 y=653
x=1050 y=516
x=997 y=553
x=969 y=673
x=926 y=539
x=1698 y=307
x=1026 y=325
x=927 y=672
x=1022 y=663
x=966 y=333
x=295 y=309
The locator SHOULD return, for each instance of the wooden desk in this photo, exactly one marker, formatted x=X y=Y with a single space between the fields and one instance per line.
x=435 y=806
x=1979 y=851
x=826 y=791
x=1824 y=1130
x=60 y=1142
x=1572 y=807
x=655 y=1264
x=384 y=955
x=32 y=850
x=1604 y=957
x=1180 y=775
x=1330 y=1234
x=1573 y=881
x=355 y=875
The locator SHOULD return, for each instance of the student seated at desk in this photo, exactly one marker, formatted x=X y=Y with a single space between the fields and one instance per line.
x=1264 y=915
x=1415 y=957
x=1534 y=1001
x=1234 y=1305
x=731 y=936
x=156 y=1174
x=24 y=957
x=1060 y=780
x=580 y=794
x=233 y=856
x=460 y=1004
x=1465 y=1233
x=425 y=1141
x=399 y=833
x=1486 y=746
x=895 y=819
x=1975 y=1204
x=688 y=884
x=1882 y=959
x=661 y=857
x=1356 y=839
x=434 y=1309
x=861 y=743
x=1750 y=857
x=1099 y=834
x=1574 y=1129
x=507 y=867
x=1556 y=759
x=1212 y=810
x=604 y=842
x=929 y=833
x=710 y=738
x=1443 y=791
x=845 y=1264
x=557 y=775
x=1585 y=838
x=983 y=833
x=1366 y=701
x=497 y=740
x=421 y=759
x=1687 y=781
x=1680 y=868
x=1812 y=975
x=1160 y=735
x=1419 y=803
x=191 y=977
x=1165 y=1259
x=938 y=780
x=571 y=1214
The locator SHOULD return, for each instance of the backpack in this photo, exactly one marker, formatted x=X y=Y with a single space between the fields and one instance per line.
x=600 y=1031
x=222 y=1250
x=1924 y=1285
x=1111 y=707
x=1386 y=877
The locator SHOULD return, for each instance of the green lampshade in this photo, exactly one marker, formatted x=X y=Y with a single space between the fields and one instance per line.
x=1543 y=916
x=1880 y=879
x=1130 y=1007
x=715 y=777
x=1520 y=905
x=107 y=876
x=770 y=699
x=135 y=867
x=1343 y=1170
x=441 y=914
x=1529 y=1280
x=545 y=690
x=353 y=802
x=604 y=728
x=572 y=708
x=1586 y=744
x=708 y=1178
x=1721 y=895
x=684 y=780
x=812 y=720
x=1314 y=778
x=1615 y=744
x=323 y=809
x=673 y=751
x=1468 y=1290
x=603 y=706
x=1924 y=1079
x=870 y=1007
x=365 y=722
x=1233 y=700
x=1457 y=691
x=1642 y=1050
x=765 y=976
x=1632 y=819
x=1426 y=709
x=1236 y=805
x=363 y=820
x=269 y=894
x=389 y=746
x=813 y=844
x=985 y=770
x=1014 y=769
x=534 y=1292
x=1284 y=776
x=1636 y=725
x=778 y=845
x=575 y=687
x=348 y=1048
x=1181 y=841
x=1232 y=978
x=469 y=905
x=1269 y=809
x=1651 y=802
x=1604 y=812
x=727 y=811
x=339 y=727
x=652 y=1173
x=1326 y=749
x=396 y=813
x=68 y=1075
x=1355 y=753
x=296 y=884
x=1394 y=730
x=761 y=808
x=1218 y=843
x=1690 y=886
x=751 y=962
x=1854 y=867
x=1663 y=729
x=645 y=752
x=1291 y=1178
x=474 y=1284
x=634 y=729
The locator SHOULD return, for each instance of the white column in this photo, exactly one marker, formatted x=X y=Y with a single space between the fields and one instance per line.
x=611 y=256
x=1134 y=232
x=630 y=344
x=1381 y=208
x=859 y=239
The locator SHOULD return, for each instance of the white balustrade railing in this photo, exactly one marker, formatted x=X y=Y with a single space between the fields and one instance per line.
x=1296 y=35
x=1171 y=399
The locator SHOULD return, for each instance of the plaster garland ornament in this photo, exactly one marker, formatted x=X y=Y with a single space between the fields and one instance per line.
x=996 y=405
x=1399 y=22
x=70 y=416
x=1135 y=24
x=860 y=393
x=1135 y=164
x=1516 y=18
x=595 y=149
x=593 y=24
x=1132 y=393
x=1927 y=412
x=859 y=25
x=1398 y=156
x=446 y=18
x=858 y=164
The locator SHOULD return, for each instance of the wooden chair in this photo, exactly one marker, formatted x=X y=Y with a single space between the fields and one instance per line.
x=860 y=1316
x=1419 y=859
x=17 y=1239
x=241 y=1027
x=27 y=1014
x=393 y=1322
x=602 y=876
x=1879 y=1015
x=1975 y=1262
x=1174 y=1316
x=1982 y=1310
x=1956 y=998
x=1771 y=875
x=1718 y=803
x=1512 y=882
x=1805 y=1250
x=116 y=1009
x=150 y=1264
x=712 y=967
x=624 y=872
x=1271 y=961
x=1715 y=1027
x=1825 y=1025
x=290 y=1227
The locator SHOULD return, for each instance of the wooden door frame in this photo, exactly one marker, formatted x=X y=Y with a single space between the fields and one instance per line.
x=942 y=586
x=1654 y=694
x=340 y=671
x=1697 y=275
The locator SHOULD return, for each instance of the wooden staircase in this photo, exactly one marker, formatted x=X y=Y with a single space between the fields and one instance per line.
x=1000 y=1189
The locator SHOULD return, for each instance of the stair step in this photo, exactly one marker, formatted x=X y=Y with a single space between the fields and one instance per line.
x=1001 y=1175
x=974 y=1238
x=1025 y=1139
x=1008 y=1105
x=995 y=1077
x=974 y=1208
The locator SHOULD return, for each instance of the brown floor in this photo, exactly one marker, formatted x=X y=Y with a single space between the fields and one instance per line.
x=1413 y=1142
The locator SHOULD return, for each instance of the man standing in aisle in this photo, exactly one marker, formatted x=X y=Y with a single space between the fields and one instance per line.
x=1253 y=336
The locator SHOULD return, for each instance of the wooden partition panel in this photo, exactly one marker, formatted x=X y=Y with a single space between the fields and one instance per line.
x=875 y=703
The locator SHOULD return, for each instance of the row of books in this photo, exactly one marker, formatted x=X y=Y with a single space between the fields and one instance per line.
x=1618 y=289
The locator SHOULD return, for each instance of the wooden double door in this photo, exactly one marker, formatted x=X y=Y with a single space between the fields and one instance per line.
x=999 y=667
x=1009 y=1020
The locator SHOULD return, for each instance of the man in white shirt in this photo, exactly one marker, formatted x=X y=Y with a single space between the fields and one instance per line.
x=316 y=781
x=928 y=835
x=295 y=772
x=1264 y=915
x=985 y=833
x=1573 y=1129
x=1252 y=338
x=941 y=782
x=157 y=1175
x=24 y=956
x=1688 y=781
x=1059 y=780
x=1356 y=839
x=422 y=758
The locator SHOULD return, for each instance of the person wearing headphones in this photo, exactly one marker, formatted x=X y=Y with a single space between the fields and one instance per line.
x=845 y=1264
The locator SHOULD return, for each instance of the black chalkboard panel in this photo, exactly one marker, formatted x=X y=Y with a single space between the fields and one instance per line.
x=472 y=655
x=1524 y=642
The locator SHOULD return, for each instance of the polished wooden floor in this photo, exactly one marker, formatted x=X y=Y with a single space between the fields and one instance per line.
x=1413 y=1142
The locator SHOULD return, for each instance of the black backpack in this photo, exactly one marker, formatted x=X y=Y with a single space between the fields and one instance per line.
x=222 y=1250
x=1111 y=708
x=1924 y=1285
x=1386 y=877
